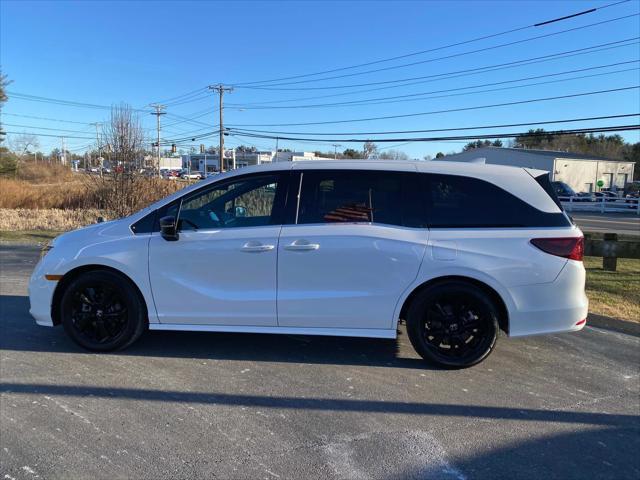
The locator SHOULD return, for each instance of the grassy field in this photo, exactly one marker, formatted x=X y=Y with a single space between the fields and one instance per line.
x=28 y=236
x=614 y=294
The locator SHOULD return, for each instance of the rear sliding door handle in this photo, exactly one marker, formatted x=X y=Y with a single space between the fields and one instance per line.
x=256 y=247
x=302 y=245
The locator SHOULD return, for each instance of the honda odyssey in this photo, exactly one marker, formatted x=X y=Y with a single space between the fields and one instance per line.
x=458 y=251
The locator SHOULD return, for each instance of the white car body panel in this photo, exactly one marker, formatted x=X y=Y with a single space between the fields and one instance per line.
x=354 y=284
x=352 y=280
x=207 y=278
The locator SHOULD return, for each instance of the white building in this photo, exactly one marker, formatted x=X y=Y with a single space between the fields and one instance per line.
x=210 y=162
x=580 y=172
x=166 y=163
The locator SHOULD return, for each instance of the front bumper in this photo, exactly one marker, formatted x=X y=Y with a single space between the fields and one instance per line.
x=41 y=293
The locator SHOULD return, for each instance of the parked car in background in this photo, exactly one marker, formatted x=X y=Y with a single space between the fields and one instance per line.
x=606 y=194
x=457 y=251
x=191 y=176
x=632 y=188
x=563 y=190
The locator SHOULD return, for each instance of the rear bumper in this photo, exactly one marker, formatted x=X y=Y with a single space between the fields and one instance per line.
x=555 y=307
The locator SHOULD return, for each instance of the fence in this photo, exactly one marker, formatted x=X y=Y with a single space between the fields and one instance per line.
x=579 y=203
x=610 y=249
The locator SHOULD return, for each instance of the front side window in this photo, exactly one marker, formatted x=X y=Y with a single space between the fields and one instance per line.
x=247 y=202
x=344 y=196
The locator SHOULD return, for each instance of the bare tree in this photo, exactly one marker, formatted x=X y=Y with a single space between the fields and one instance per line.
x=24 y=142
x=393 y=155
x=370 y=149
x=120 y=191
x=124 y=137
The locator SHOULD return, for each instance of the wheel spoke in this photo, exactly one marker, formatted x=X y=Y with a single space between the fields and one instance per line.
x=98 y=313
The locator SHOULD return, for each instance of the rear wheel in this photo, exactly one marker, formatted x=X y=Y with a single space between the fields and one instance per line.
x=102 y=311
x=453 y=324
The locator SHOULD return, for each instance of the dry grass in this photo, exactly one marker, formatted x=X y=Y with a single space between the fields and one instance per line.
x=47 y=219
x=80 y=191
x=44 y=173
x=614 y=294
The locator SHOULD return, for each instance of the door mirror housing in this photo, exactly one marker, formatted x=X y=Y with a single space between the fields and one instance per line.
x=168 y=228
x=240 y=211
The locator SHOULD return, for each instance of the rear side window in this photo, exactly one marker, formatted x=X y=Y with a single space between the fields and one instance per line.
x=455 y=201
x=350 y=196
x=545 y=182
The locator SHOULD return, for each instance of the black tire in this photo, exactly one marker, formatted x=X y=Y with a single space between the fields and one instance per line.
x=453 y=324
x=102 y=311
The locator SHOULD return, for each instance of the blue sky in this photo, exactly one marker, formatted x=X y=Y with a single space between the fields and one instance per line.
x=141 y=52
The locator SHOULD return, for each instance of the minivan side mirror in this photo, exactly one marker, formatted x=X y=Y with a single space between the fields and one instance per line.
x=240 y=211
x=168 y=228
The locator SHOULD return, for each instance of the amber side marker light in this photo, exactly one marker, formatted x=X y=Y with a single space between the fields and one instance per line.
x=54 y=278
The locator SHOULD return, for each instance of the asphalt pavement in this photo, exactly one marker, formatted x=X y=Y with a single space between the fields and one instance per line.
x=620 y=223
x=194 y=405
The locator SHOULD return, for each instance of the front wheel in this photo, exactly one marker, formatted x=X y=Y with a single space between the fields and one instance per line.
x=102 y=311
x=453 y=324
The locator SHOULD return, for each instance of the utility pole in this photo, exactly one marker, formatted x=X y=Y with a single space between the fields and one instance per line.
x=335 y=150
x=63 y=157
x=157 y=113
x=221 y=89
x=98 y=146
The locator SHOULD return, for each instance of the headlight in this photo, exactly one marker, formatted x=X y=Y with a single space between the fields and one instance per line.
x=45 y=249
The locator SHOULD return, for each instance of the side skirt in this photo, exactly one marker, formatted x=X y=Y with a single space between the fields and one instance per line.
x=333 y=332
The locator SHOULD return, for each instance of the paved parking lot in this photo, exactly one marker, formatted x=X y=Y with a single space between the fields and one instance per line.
x=184 y=405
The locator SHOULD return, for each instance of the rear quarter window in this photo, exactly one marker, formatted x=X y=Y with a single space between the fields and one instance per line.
x=455 y=201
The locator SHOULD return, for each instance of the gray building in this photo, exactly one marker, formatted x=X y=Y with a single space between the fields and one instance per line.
x=580 y=172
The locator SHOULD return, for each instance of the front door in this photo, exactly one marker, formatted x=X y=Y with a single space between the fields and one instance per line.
x=222 y=269
x=357 y=245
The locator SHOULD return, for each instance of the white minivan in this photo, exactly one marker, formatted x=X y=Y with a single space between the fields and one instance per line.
x=349 y=248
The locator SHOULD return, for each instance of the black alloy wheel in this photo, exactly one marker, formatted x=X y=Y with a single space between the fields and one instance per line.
x=102 y=311
x=453 y=324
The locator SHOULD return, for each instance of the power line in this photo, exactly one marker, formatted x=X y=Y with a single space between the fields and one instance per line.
x=455 y=55
x=462 y=109
x=412 y=96
x=57 y=101
x=616 y=128
x=45 y=118
x=45 y=128
x=480 y=127
x=476 y=70
x=177 y=97
x=442 y=47
x=46 y=135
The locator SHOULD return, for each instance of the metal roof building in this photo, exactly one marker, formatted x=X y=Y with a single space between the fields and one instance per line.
x=579 y=171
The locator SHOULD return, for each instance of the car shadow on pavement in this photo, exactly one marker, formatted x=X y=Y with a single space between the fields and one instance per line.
x=613 y=324
x=20 y=332
x=327 y=404
x=603 y=453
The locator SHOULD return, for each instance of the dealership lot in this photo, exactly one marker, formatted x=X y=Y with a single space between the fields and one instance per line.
x=179 y=405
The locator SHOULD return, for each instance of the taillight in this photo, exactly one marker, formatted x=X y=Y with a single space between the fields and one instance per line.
x=567 y=247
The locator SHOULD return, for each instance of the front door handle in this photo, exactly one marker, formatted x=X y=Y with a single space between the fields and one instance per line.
x=302 y=245
x=256 y=247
